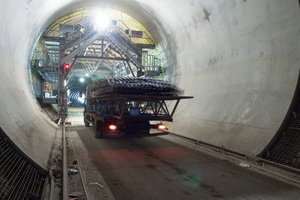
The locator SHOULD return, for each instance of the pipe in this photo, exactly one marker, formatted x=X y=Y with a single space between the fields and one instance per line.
x=65 y=170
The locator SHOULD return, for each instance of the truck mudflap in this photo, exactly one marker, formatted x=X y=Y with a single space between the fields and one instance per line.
x=98 y=128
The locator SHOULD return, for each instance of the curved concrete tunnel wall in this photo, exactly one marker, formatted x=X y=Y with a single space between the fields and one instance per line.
x=239 y=59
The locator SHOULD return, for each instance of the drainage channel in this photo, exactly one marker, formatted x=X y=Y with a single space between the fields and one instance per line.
x=20 y=177
x=74 y=186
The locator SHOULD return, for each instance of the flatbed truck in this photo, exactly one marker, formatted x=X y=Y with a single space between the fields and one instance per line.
x=131 y=115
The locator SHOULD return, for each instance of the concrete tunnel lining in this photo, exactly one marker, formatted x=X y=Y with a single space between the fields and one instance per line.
x=239 y=59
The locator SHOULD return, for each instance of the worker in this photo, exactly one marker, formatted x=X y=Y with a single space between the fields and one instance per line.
x=47 y=87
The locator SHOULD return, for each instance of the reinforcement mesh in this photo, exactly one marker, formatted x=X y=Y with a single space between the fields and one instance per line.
x=134 y=86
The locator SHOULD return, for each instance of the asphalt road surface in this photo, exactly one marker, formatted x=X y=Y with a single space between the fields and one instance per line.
x=158 y=168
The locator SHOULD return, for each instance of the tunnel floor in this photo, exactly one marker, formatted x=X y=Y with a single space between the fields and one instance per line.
x=158 y=168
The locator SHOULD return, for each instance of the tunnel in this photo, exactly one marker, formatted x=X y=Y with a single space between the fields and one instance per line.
x=239 y=59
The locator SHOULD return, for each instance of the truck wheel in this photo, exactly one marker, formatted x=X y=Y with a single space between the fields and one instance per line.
x=98 y=129
x=87 y=124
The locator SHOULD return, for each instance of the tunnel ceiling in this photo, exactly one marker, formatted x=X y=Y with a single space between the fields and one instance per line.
x=81 y=19
x=88 y=15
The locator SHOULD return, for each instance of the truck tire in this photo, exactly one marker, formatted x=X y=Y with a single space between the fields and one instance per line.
x=98 y=129
x=87 y=124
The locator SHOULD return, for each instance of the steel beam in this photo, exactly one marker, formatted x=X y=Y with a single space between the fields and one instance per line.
x=100 y=58
x=130 y=69
x=48 y=68
x=105 y=48
x=132 y=47
x=124 y=48
x=81 y=47
x=78 y=40
x=53 y=39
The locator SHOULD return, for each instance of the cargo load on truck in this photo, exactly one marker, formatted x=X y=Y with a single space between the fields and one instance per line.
x=133 y=86
x=130 y=106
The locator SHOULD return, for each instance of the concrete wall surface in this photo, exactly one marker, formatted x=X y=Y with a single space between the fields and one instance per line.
x=238 y=58
x=21 y=118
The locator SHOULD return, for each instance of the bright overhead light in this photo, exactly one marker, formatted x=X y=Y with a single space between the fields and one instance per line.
x=81 y=80
x=86 y=74
x=102 y=20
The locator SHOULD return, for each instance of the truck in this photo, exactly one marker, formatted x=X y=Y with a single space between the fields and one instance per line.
x=132 y=106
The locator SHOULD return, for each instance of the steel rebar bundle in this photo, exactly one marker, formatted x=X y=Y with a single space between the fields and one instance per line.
x=133 y=86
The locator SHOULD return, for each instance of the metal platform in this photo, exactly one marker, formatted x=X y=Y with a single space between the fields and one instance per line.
x=20 y=177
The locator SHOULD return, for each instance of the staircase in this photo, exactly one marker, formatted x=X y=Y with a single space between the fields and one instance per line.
x=150 y=64
x=47 y=67
x=126 y=48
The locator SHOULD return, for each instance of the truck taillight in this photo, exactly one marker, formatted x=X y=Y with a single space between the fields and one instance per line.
x=112 y=127
x=161 y=127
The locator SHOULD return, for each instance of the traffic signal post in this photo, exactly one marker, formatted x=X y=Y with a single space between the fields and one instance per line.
x=64 y=70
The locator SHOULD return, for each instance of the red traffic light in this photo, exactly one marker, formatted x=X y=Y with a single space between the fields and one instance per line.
x=67 y=66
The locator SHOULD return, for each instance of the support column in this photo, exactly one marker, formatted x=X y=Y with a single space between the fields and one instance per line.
x=62 y=91
x=139 y=59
